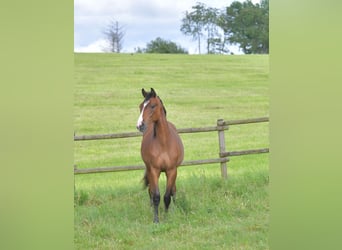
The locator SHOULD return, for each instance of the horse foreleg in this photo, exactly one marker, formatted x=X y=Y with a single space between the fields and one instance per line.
x=154 y=194
x=170 y=188
x=156 y=201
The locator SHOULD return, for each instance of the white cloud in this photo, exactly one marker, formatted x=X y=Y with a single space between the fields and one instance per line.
x=97 y=46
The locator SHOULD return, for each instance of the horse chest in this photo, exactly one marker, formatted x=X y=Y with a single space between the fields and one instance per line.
x=157 y=156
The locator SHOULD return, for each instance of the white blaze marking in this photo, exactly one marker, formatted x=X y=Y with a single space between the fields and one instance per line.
x=140 y=119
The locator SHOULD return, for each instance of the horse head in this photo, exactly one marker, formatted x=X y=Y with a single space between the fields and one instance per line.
x=151 y=109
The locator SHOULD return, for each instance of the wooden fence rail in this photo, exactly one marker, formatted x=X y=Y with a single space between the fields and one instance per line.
x=220 y=128
x=138 y=134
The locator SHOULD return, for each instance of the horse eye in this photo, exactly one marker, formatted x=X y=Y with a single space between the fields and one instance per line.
x=153 y=106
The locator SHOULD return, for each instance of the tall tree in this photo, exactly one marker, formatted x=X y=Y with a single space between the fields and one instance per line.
x=202 y=23
x=114 y=36
x=246 y=24
x=193 y=23
x=210 y=17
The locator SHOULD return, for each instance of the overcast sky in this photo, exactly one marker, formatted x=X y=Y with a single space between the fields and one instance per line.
x=143 y=21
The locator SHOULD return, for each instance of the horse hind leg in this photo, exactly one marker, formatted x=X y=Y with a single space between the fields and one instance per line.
x=147 y=184
x=173 y=193
x=145 y=179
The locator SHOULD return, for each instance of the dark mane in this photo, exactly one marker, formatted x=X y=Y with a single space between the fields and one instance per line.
x=163 y=105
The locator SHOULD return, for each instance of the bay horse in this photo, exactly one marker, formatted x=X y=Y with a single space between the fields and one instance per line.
x=161 y=149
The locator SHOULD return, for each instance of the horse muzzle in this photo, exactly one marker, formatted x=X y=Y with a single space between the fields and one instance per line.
x=141 y=127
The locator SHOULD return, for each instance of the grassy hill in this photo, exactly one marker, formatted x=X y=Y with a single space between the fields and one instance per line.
x=112 y=210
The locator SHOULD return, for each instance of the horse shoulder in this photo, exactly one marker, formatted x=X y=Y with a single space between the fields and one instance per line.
x=178 y=139
x=172 y=127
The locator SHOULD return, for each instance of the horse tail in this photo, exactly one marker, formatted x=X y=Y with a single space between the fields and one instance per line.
x=145 y=179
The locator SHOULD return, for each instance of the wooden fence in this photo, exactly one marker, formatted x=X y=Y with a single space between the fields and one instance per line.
x=220 y=127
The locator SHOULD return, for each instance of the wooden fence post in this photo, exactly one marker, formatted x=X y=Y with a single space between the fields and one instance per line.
x=222 y=145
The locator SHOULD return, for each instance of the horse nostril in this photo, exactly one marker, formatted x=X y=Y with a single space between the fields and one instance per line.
x=141 y=127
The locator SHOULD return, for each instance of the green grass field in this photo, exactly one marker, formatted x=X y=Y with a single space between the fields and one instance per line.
x=112 y=210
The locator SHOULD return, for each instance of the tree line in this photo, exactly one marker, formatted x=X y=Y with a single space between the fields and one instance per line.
x=242 y=23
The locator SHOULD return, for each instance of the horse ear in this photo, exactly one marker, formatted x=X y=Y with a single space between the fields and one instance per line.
x=143 y=92
x=154 y=94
